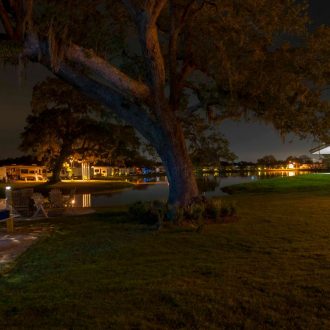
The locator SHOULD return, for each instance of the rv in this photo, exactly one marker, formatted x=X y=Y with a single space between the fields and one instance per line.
x=26 y=173
x=3 y=175
x=102 y=171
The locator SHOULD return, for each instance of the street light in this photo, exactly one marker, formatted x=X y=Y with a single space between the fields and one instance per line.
x=71 y=167
x=8 y=197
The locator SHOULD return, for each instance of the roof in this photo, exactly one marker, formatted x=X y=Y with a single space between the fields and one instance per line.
x=24 y=166
x=323 y=149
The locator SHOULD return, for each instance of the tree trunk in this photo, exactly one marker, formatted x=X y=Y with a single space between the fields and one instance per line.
x=58 y=163
x=173 y=152
x=56 y=172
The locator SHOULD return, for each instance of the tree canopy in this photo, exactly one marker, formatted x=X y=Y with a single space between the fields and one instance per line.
x=151 y=60
x=268 y=160
x=66 y=124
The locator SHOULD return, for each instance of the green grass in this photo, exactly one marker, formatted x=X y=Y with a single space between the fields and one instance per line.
x=317 y=183
x=270 y=270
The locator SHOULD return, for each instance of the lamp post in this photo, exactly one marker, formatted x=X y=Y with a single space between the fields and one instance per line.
x=8 y=198
x=71 y=164
x=9 y=207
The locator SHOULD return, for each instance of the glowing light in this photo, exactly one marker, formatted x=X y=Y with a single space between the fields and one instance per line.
x=8 y=187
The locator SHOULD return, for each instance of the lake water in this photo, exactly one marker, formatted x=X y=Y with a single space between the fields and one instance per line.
x=156 y=188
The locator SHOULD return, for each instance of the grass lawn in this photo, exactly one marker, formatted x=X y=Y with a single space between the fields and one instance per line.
x=269 y=270
x=316 y=182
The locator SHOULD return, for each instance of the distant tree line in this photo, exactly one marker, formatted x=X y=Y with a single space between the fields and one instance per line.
x=270 y=161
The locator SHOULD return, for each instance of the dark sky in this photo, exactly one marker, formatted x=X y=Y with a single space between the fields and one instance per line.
x=248 y=140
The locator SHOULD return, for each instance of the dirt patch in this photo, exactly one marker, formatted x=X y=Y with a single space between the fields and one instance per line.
x=14 y=244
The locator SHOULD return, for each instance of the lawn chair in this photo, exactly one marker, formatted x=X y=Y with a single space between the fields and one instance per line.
x=56 y=203
x=56 y=198
x=20 y=203
x=39 y=201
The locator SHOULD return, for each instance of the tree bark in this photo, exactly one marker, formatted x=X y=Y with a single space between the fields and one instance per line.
x=58 y=164
x=172 y=149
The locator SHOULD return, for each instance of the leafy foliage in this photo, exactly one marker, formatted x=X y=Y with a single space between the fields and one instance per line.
x=149 y=213
x=258 y=56
x=64 y=123
x=197 y=213
x=267 y=160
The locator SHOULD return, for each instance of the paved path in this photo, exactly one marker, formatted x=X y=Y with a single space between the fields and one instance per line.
x=12 y=245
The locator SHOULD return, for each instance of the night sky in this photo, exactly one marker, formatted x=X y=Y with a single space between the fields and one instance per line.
x=248 y=140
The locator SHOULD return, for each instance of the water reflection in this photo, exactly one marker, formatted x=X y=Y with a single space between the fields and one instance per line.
x=148 y=179
x=82 y=200
x=156 y=188
x=208 y=183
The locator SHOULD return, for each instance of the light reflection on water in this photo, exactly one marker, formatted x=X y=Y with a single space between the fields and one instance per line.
x=150 y=189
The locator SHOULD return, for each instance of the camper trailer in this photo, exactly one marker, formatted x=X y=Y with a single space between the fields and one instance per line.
x=3 y=175
x=26 y=173
x=101 y=171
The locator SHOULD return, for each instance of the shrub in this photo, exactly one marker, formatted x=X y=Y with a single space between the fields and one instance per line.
x=156 y=212
x=149 y=213
x=213 y=209
x=228 y=209
x=217 y=210
x=195 y=212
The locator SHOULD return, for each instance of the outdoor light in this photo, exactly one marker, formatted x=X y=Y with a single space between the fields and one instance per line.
x=8 y=187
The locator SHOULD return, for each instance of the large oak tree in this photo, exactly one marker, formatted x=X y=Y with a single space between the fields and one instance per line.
x=151 y=60
x=64 y=123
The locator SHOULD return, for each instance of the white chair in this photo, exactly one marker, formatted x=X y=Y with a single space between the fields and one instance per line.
x=39 y=202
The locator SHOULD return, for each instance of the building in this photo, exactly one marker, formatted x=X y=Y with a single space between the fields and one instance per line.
x=102 y=171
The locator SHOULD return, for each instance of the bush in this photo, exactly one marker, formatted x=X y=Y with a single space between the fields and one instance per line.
x=149 y=213
x=213 y=209
x=217 y=210
x=156 y=212
x=228 y=209
x=195 y=213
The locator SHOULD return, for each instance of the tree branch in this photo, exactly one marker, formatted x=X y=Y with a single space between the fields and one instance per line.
x=172 y=52
x=130 y=113
x=118 y=80
x=133 y=114
x=148 y=35
x=6 y=22
x=157 y=9
x=145 y=20
x=186 y=13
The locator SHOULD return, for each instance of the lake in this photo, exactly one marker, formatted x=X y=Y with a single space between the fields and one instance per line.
x=156 y=188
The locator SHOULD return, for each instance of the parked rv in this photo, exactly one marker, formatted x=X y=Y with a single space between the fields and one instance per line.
x=25 y=173
x=3 y=175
